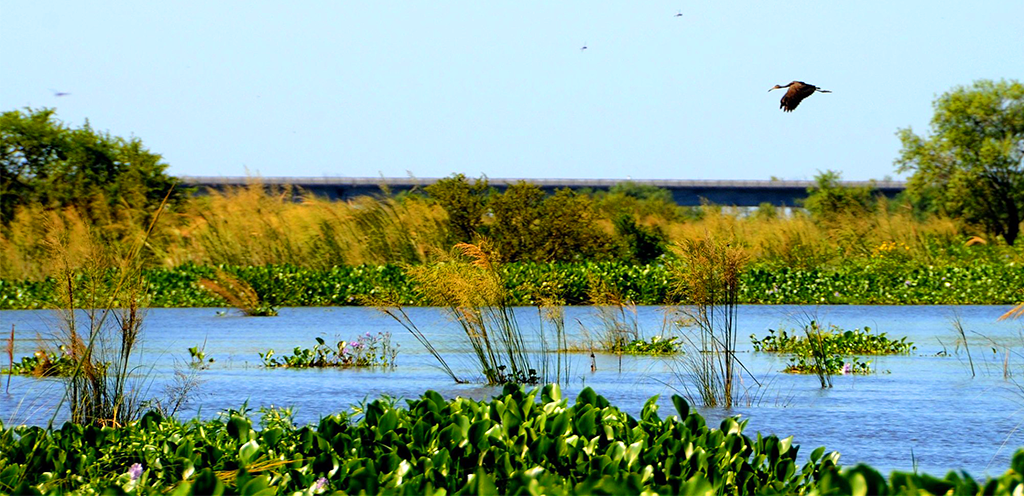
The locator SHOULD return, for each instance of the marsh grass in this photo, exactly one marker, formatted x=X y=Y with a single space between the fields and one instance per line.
x=258 y=225
x=819 y=354
x=262 y=225
x=102 y=296
x=707 y=277
x=470 y=285
x=961 y=339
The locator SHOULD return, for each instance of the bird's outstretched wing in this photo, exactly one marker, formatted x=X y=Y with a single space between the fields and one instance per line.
x=796 y=94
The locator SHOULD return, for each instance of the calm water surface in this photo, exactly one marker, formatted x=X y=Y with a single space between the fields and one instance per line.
x=921 y=407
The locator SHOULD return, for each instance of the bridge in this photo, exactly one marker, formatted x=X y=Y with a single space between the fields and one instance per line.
x=684 y=192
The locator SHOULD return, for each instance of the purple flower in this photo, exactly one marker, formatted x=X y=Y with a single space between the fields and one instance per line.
x=357 y=345
x=847 y=369
x=320 y=483
x=135 y=471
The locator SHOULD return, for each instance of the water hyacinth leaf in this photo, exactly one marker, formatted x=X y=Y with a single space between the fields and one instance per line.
x=247 y=452
x=586 y=424
x=586 y=397
x=207 y=482
x=681 y=406
x=816 y=454
x=649 y=413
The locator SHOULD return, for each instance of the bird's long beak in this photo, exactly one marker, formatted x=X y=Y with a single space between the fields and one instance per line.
x=770 y=89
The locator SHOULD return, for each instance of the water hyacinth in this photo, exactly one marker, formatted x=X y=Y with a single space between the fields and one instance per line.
x=320 y=483
x=135 y=471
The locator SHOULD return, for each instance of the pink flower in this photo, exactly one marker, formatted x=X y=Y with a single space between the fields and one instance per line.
x=847 y=369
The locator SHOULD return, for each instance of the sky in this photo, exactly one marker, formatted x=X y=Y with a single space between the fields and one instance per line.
x=503 y=89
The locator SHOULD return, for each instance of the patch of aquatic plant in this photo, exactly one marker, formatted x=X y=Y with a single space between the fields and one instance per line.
x=44 y=364
x=830 y=365
x=197 y=358
x=657 y=345
x=366 y=351
x=834 y=340
x=519 y=442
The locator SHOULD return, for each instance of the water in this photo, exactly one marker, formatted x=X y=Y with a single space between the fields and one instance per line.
x=921 y=408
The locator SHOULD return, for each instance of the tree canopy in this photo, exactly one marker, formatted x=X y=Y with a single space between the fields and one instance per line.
x=971 y=166
x=43 y=161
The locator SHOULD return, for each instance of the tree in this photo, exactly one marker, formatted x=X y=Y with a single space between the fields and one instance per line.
x=829 y=200
x=971 y=165
x=517 y=213
x=464 y=203
x=42 y=161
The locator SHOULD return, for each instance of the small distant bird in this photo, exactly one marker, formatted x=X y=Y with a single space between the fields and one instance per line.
x=680 y=14
x=584 y=46
x=798 y=90
x=59 y=93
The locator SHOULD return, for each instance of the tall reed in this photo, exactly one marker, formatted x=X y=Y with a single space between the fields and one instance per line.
x=108 y=288
x=707 y=277
x=470 y=286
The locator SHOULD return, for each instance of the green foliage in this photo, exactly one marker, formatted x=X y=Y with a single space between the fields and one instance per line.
x=524 y=442
x=826 y=352
x=827 y=364
x=44 y=364
x=972 y=165
x=43 y=161
x=657 y=345
x=366 y=351
x=465 y=204
x=644 y=244
x=970 y=280
x=517 y=212
x=836 y=340
x=828 y=200
x=512 y=441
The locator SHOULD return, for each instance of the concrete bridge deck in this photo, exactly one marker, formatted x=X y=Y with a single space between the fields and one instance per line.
x=684 y=192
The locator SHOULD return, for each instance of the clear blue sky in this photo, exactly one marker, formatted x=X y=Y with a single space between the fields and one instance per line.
x=355 y=89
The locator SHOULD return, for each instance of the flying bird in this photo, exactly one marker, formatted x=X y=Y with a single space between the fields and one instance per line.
x=680 y=14
x=59 y=93
x=584 y=46
x=798 y=90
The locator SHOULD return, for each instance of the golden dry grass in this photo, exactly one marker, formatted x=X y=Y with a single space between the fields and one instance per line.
x=254 y=225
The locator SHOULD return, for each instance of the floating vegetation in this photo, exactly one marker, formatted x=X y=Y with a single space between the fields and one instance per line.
x=657 y=345
x=367 y=351
x=830 y=352
x=44 y=364
x=519 y=442
x=835 y=340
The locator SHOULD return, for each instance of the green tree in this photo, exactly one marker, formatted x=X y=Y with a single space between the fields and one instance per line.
x=45 y=162
x=644 y=244
x=517 y=212
x=464 y=203
x=567 y=229
x=971 y=165
x=828 y=199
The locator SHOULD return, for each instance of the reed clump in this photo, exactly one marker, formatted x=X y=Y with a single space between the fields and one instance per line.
x=707 y=279
x=470 y=286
